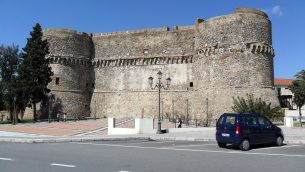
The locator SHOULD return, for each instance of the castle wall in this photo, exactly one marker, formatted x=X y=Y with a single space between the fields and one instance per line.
x=131 y=44
x=222 y=57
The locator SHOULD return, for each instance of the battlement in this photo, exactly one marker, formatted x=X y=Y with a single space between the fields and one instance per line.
x=55 y=31
x=162 y=29
x=250 y=10
x=180 y=28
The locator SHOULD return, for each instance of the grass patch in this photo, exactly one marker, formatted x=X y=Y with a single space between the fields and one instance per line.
x=3 y=122
x=298 y=124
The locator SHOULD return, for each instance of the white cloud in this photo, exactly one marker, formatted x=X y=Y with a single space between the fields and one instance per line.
x=275 y=10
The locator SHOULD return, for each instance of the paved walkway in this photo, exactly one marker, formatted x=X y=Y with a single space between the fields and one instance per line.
x=93 y=130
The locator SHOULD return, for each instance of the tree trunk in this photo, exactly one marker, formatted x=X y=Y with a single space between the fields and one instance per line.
x=34 y=112
x=300 y=119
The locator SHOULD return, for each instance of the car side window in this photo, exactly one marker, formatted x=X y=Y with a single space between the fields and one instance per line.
x=263 y=121
x=242 y=120
x=251 y=121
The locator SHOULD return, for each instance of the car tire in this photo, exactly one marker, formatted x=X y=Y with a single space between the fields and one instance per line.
x=244 y=145
x=279 y=141
x=222 y=145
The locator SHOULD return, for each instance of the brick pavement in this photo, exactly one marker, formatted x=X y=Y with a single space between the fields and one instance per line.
x=35 y=130
x=68 y=126
x=75 y=128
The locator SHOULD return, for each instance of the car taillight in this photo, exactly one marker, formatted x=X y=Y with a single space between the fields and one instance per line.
x=237 y=130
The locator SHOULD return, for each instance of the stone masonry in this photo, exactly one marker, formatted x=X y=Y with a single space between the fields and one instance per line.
x=107 y=73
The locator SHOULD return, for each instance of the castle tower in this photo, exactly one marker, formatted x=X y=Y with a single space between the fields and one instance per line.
x=70 y=86
x=234 y=57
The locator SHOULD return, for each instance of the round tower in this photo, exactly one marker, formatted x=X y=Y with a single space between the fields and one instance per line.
x=234 y=55
x=71 y=85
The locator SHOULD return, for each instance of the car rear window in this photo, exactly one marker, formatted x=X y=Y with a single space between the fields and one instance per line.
x=227 y=120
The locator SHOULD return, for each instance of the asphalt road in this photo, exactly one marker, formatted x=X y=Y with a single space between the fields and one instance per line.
x=141 y=156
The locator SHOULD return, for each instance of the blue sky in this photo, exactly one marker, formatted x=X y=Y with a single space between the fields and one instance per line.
x=17 y=17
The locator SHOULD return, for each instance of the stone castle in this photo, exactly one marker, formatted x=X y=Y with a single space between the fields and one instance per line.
x=107 y=73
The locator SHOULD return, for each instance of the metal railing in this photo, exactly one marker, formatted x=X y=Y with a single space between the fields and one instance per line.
x=124 y=122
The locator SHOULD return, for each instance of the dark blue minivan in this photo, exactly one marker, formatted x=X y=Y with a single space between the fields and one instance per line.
x=247 y=129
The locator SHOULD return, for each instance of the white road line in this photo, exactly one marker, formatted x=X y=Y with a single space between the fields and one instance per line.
x=6 y=159
x=276 y=147
x=62 y=165
x=152 y=142
x=190 y=150
x=194 y=145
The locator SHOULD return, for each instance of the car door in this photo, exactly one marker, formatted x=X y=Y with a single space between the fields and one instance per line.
x=253 y=129
x=266 y=130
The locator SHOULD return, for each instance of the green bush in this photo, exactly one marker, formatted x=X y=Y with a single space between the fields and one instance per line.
x=256 y=106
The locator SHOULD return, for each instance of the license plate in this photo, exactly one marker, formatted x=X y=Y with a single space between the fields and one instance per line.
x=225 y=135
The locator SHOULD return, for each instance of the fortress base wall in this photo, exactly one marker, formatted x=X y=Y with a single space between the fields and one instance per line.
x=144 y=104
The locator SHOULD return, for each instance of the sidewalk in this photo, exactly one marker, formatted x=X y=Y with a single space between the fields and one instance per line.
x=96 y=130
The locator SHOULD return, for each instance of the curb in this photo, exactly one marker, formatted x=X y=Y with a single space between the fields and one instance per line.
x=149 y=138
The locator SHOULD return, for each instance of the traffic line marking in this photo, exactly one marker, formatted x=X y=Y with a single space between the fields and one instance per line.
x=192 y=150
x=6 y=159
x=276 y=147
x=62 y=165
x=194 y=145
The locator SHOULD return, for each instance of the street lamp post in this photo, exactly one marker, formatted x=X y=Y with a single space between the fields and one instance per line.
x=159 y=85
x=187 y=112
x=49 y=119
x=14 y=111
x=74 y=113
x=207 y=111
x=173 y=111
x=162 y=110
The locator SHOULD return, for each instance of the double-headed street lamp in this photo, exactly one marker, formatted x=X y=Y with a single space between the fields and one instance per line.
x=159 y=86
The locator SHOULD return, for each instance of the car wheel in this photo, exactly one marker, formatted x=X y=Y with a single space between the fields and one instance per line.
x=222 y=145
x=279 y=141
x=244 y=145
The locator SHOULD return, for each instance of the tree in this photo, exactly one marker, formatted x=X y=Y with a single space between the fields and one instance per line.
x=255 y=106
x=300 y=75
x=9 y=61
x=298 y=88
x=34 y=73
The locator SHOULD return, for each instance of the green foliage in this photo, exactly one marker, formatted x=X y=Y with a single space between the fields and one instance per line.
x=9 y=61
x=34 y=73
x=300 y=75
x=255 y=106
x=298 y=88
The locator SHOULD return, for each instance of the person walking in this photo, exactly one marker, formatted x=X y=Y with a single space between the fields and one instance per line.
x=179 y=123
x=58 y=116
x=65 y=116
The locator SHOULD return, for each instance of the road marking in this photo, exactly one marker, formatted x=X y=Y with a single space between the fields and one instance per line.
x=195 y=145
x=62 y=165
x=151 y=142
x=191 y=150
x=276 y=147
x=6 y=159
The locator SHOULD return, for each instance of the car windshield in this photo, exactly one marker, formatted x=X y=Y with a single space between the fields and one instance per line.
x=227 y=120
